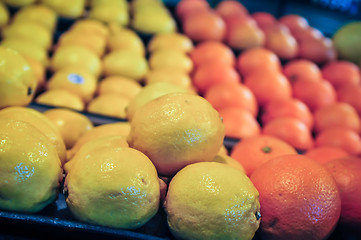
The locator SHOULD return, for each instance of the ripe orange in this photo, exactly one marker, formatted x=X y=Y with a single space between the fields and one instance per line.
x=290 y=130
x=224 y=95
x=185 y=7
x=239 y=122
x=294 y=22
x=299 y=198
x=204 y=25
x=315 y=94
x=301 y=69
x=318 y=51
x=339 y=73
x=230 y=8
x=347 y=173
x=341 y=137
x=264 y=19
x=214 y=72
x=210 y=51
x=325 y=154
x=291 y=107
x=307 y=33
x=254 y=151
x=267 y=86
x=254 y=59
x=351 y=94
x=337 y=115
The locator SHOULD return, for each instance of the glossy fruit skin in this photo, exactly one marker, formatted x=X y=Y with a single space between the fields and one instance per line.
x=301 y=69
x=299 y=199
x=339 y=73
x=325 y=154
x=210 y=51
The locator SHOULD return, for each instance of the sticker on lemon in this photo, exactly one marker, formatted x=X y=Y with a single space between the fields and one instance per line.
x=175 y=130
x=17 y=80
x=211 y=200
x=30 y=168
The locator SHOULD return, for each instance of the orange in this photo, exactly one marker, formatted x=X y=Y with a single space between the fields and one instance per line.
x=339 y=73
x=299 y=198
x=267 y=86
x=347 y=174
x=204 y=25
x=315 y=94
x=239 y=122
x=319 y=51
x=290 y=130
x=210 y=51
x=254 y=151
x=325 y=154
x=252 y=60
x=264 y=19
x=223 y=95
x=307 y=33
x=301 y=69
x=294 y=22
x=351 y=94
x=230 y=8
x=341 y=137
x=337 y=115
x=186 y=7
x=214 y=72
x=287 y=108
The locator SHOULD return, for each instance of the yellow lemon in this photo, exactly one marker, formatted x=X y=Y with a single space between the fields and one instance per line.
x=75 y=55
x=173 y=59
x=76 y=80
x=18 y=3
x=175 y=130
x=90 y=40
x=177 y=77
x=91 y=26
x=72 y=125
x=109 y=129
x=120 y=85
x=67 y=9
x=125 y=63
x=27 y=48
x=170 y=41
x=61 y=98
x=29 y=31
x=113 y=186
x=39 y=121
x=38 y=70
x=211 y=200
x=4 y=15
x=221 y=158
x=109 y=104
x=126 y=39
x=150 y=92
x=223 y=151
x=40 y=14
x=30 y=168
x=108 y=12
x=17 y=80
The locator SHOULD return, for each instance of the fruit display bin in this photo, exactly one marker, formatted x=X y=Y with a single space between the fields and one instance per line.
x=56 y=220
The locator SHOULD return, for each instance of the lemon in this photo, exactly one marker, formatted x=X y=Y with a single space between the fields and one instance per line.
x=221 y=158
x=67 y=9
x=125 y=63
x=4 y=15
x=29 y=167
x=29 y=31
x=27 y=48
x=109 y=129
x=113 y=186
x=39 y=71
x=40 y=14
x=111 y=12
x=18 y=3
x=172 y=59
x=175 y=130
x=150 y=92
x=91 y=26
x=61 y=98
x=39 y=121
x=170 y=41
x=76 y=80
x=72 y=125
x=75 y=55
x=177 y=77
x=212 y=201
x=109 y=104
x=126 y=39
x=121 y=85
x=17 y=80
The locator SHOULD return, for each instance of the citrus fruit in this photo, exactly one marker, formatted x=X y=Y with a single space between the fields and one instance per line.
x=17 y=80
x=186 y=7
x=29 y=166
x=319 y=51
x=120 y=85
x=350 y=93
x=252 y=152
x=339 y=73
x=177 y=77
x=175 y=130
x=39 y=121
x=299 y=198
x=211 y=200
x=126 y=39
x=38 y=70
x=325 y=154
x=18 y=3
x=231 y=8
x=61 y=98
x=225 y=159
x=109 y=104
x=111 y=12
x=72 y=125
x=170 y=41
x=114 y=187
x=170 y=59
x=72 y=10
x=302 y=69
x=294 y=22
x=4 y=15
x=91 y=25
x=210 y=51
